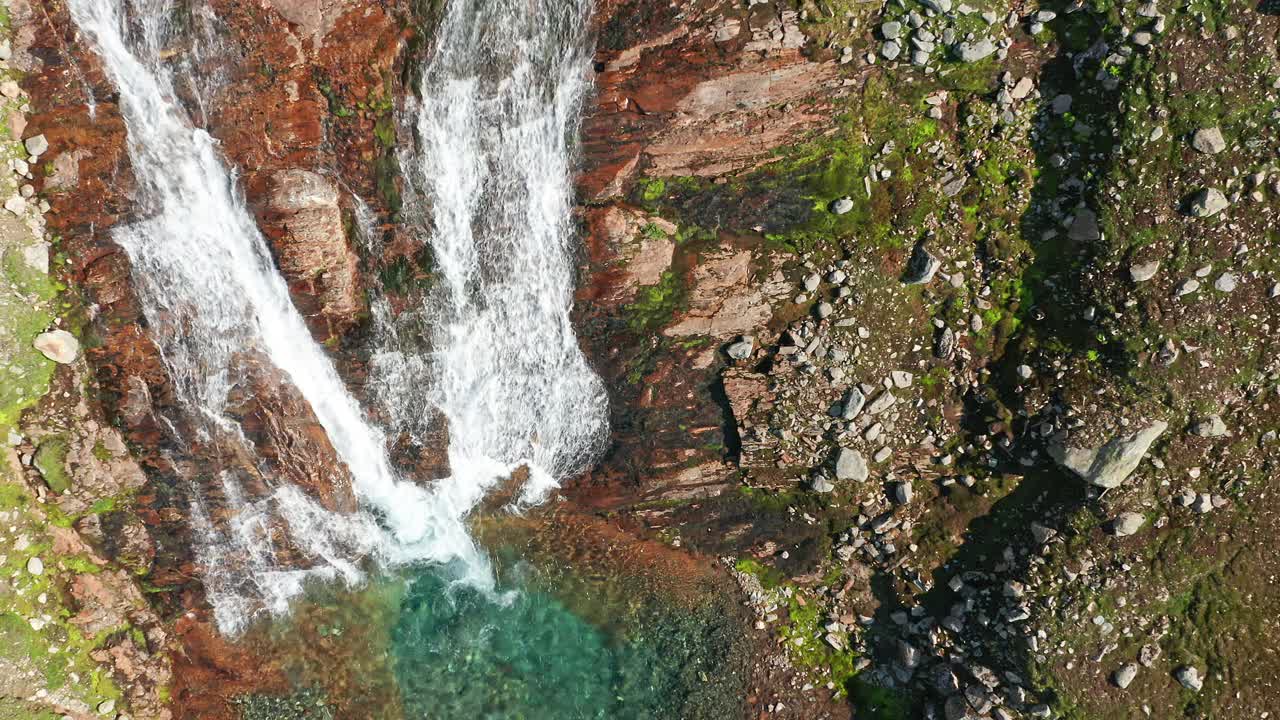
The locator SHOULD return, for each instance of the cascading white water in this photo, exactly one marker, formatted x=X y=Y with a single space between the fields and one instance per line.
x=500 y=104
x=212 y=296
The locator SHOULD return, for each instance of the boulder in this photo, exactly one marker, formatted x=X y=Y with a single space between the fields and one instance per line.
x=1127 y=523
x=1209 y=141
x=1125 y=675
x=1084 y=226
x=36 y=145
x=974 y=51
x=1142 y=272
x=1208 y=202
x=853 y=404
x=303 y=220
x=1189 y=678
x=850 y=465
x=1110 y=464
x=1210 y=427
x=922 y=266
x=741 y=350
x=59 y=346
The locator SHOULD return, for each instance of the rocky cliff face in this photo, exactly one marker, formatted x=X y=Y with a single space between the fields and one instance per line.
x=294 y=94
x=873 y=284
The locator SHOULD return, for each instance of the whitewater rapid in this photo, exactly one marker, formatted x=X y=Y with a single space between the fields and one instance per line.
x=496 y=124
x=212 y=296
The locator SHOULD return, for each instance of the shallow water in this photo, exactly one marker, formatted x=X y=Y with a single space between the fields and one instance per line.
x=589 y=623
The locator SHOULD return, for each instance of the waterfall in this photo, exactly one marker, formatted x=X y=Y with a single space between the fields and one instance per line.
x=496 y=124
x=212 y=296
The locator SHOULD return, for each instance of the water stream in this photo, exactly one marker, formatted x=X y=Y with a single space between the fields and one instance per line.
x=444 y=629
x=497 y=119
x=215 y=302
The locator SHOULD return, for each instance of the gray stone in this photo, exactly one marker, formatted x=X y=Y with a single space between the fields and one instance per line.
x=35 y=566
x=944 y=346
x=908 y=655
x=1148 y=654
x=107 y=707
x=1142 y=272
x=1061 y=104
x=741 y=350
x=873 y=433
x=841 y=206
x=1210 y=427
x=1189 y=677
x=1112 y=463
x=1127 y=523
x=853 y=403
x=59 y=346
x=824 y=310
x=1209 y=202
x=902 y=492
x=1209 y=141
x=36 y=145
x=901 y=378
x=1226 y=282
x=922 y=266
x=891 y=30
x=1125 y=675
x=1187 y=287
x=812 y=282
x=850 y=465
x=891 y=50
x=1084 y=226
x=883 y=401
x=942 y=7
x=974 y=51
x=954 y=186
x=820 y=484
x=1042 y=534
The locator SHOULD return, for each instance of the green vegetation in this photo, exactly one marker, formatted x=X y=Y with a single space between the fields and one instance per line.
x=655 y=304
x=51 y=460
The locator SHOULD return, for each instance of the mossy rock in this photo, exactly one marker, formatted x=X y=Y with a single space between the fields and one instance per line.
x=51 y=461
